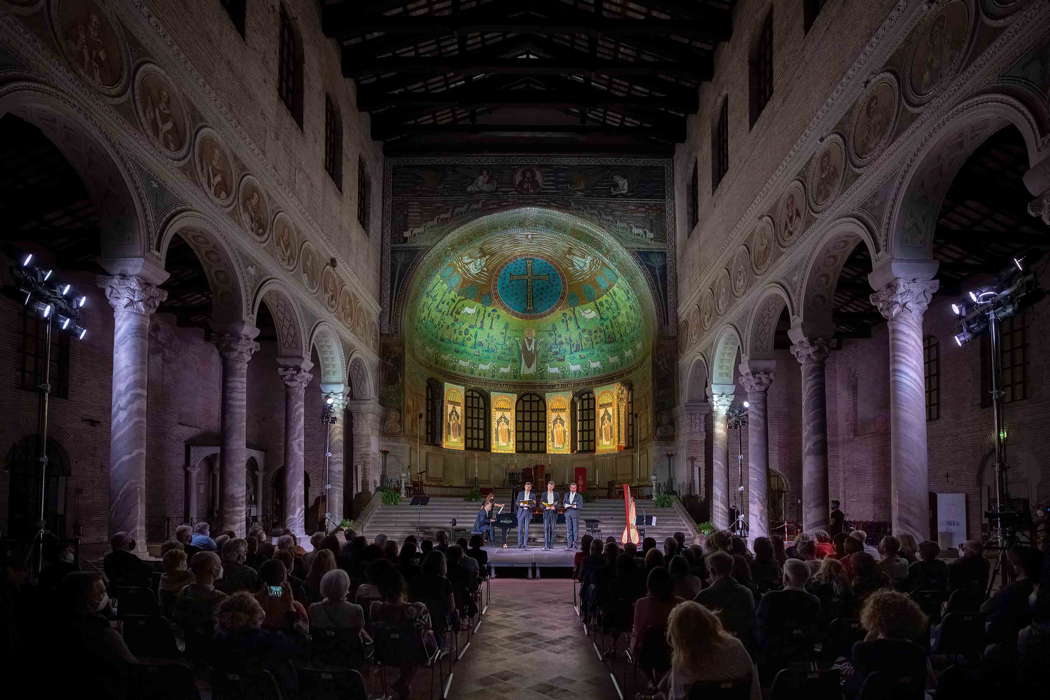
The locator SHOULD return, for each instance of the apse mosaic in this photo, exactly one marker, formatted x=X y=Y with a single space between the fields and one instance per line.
x=526 y=305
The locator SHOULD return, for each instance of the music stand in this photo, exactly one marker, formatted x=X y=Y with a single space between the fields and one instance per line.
x=419 y=501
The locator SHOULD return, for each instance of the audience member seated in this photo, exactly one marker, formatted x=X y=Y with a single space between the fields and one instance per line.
x=862 y=537
x=825 y=546
x=787 y=621
x=392 y=613
x=778 y=549
x=701 y=650
x=468 y=562
x=831 y=586
x=765 y=571
x=121 y=565
x=1033 y=647
x=322 y=562
x=1008 y=609
x=464 y=580
x=686 y=584
x=591 y=573
x=733 y=603
x=409 y=562
x=970 y=571
x=892 y=622
x=236 y=574
x=892 y=563
x=194 y=609
x=867 y=578
x=176 y=576
x=334 y=611
x=929 y=573
x=315 y=544
x=479 y=555
x=244 y=647
x=287 y=557
x=651 y=610
x=93 y=656
x=852 y=547
x=909 y=550
x=806 y=551
x=578 y=557
x=283 y=612
x=60 y=559
x=433 y=589
x=202 y=538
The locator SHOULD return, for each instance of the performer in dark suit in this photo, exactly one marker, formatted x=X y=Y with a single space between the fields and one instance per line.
x=550 y=515
x=525 y=501
x=572 y=504
x=482 y=526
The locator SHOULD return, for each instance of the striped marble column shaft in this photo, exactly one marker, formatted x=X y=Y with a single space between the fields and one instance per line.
x=366 y=441
x=336 y=477
x=133 y=300
x=296 y=378
x=903 y=303
x=192 y=470
x=720 y=403
x=811 y=354
x=757 y=382
x=236 y=349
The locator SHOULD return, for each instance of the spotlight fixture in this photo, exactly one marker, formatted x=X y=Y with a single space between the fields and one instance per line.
x=64 y=322
x=958 y=309
x=973 y=297
x=27 y=259
x=747 y=404
x=47 y=311
x=47 y=275
x=330 y=400
x=64 y=289
x=81 y=301
x=82 y=333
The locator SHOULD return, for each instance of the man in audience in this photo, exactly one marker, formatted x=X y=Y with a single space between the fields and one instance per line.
x=184 y=535
x=787 y=621
x=194 y=609
x=929 y=573
x=892 y=564
x=862 y=537
x=236 y=574
x=970 y=571
x=837 y=519
x=1008 y=610
x=122 y=566
x=806 y=551
x=202 y=538
x=734 y=603
x=315 y=543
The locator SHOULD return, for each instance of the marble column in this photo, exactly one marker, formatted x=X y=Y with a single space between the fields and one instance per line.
x=296 y=377
x=191 y=492
x=720 y=402
x=756 y=378
x=336 y=473
x=236 y=349
x=903 y=303
x=134 y=300
x=365 y=414
x=811 y=353
x=695 y=444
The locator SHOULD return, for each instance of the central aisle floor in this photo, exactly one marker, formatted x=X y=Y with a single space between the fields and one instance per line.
x=531 y=645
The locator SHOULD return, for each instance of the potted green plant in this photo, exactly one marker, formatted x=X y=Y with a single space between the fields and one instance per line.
x=663 y=500
x=706 y=527
x=473 y=495
x=390 y=496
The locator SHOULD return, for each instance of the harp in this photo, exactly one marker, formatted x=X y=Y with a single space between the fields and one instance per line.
x=630 y=531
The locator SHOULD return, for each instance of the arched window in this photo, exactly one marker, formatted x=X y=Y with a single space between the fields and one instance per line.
x=585 y=421
x=477 y=423
x=290 y=67
x=433 y=408
x=531 y=423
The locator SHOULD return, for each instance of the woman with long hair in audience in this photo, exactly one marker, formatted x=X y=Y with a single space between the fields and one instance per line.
x=322 y=562
x=701 y=650
x=686 y=584
x=867 y=578
x=432 y=588
x=651 y=610
x=832 y=586
x=283 y=612
x=765 y=571
x=392 y=610
x=909 y=547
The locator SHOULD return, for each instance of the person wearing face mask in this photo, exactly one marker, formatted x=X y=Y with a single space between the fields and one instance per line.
x=122 y=565
x=60 y=561
x=97 y=653
x=194 y=609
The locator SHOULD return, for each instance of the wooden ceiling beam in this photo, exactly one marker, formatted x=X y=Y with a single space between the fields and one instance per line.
x=382 y=132
x=429 y=65
x=468 y=99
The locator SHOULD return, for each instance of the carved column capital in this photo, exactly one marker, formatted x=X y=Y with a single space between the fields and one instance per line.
x=132 y=294
x=1040 y=207
x=721 y=401
x=295 y=377
x=756 y=380
x=236 y=346
x=810 y=350
x=904 y=296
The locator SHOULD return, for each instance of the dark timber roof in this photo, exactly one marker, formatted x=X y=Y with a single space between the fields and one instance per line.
x=530 y=75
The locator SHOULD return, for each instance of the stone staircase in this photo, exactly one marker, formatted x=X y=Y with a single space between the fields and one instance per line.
x=397 y=522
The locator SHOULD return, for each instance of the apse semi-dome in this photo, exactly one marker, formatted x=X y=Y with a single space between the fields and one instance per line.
x=530 y=295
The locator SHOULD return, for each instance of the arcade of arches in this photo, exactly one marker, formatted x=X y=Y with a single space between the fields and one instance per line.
x=300 y=291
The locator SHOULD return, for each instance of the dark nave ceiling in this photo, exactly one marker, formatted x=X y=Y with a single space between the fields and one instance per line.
x=569 y=76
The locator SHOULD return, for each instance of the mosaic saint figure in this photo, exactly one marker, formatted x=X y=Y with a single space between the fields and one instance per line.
x=605 y=427
x=455 y=425
x=559 y=434
x=529 y=354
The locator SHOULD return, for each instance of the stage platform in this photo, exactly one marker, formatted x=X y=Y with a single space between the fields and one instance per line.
x=534 y=561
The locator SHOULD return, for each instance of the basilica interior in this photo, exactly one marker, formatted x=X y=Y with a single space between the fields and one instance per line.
x=286 y=267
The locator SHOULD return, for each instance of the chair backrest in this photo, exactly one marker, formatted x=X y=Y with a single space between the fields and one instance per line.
x=151 y=681
x=960 y=633
x=965 y=600
x=878 y=686
x=736 y=689
x=336 y=647
x=331 y=684
x=811 y=684
x=150 y=636
x=843 y=633
x=397 y=641
x=930 y=602
x=655 y=653
x=242 y=686
x=135 y=600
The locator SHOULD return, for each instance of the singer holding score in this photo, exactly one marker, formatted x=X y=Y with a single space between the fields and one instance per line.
x=572 y=504
x=550 y=516
x=526 y=502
